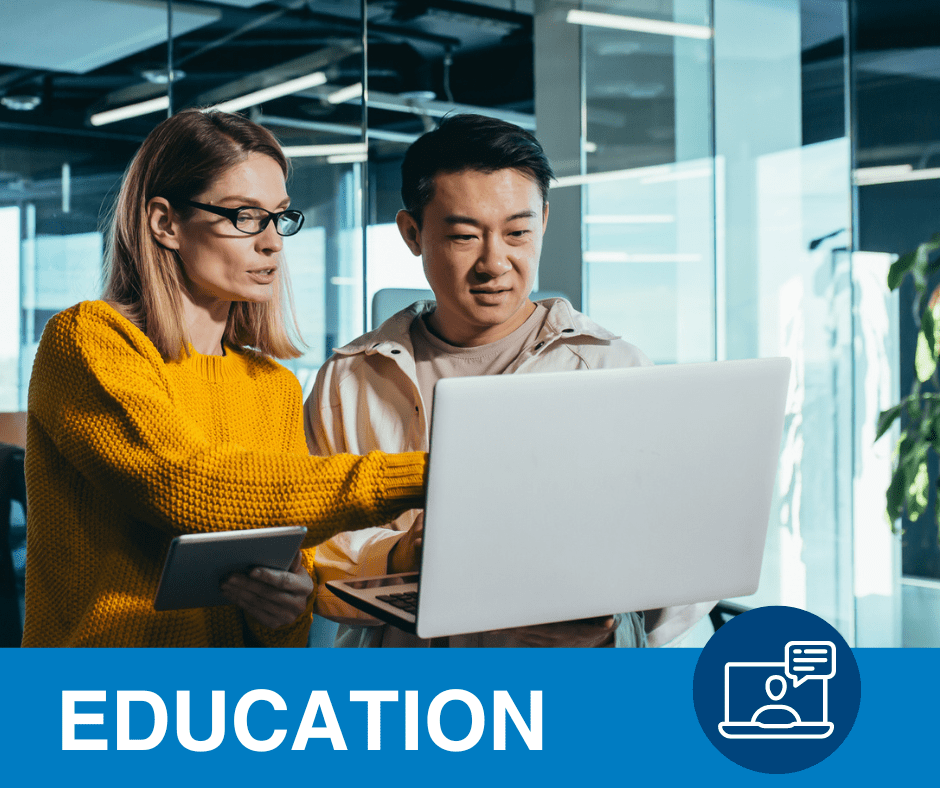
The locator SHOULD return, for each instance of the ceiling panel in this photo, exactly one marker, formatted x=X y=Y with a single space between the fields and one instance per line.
x=81 y=35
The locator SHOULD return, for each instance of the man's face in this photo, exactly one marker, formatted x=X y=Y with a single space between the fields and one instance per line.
x=480 y=240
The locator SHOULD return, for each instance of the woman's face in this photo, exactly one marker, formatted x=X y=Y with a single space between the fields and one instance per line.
x=220 y=262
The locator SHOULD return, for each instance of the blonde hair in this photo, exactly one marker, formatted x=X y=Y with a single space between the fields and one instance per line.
x=180 y=159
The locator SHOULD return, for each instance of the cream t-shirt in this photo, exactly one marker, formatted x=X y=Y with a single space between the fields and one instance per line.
x=436 y=359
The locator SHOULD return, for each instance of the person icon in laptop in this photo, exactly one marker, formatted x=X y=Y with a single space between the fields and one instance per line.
x=774 y=714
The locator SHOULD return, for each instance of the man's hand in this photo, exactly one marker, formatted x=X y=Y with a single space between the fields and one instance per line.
x=272 y=597
x=585 y=633
x=405 y=556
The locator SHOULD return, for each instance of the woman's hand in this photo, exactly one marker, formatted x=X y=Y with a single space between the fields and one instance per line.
x=405 y=556
x=272 y=597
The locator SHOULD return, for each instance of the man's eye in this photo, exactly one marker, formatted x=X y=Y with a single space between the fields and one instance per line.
x=463 y=237
x=519 y=233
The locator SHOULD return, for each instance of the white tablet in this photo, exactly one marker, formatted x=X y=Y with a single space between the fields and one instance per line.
x=196 y=564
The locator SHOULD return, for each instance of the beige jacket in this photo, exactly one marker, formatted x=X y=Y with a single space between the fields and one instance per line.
x=367 y=397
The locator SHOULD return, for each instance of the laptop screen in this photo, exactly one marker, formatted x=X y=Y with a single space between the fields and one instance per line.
x=764 y=689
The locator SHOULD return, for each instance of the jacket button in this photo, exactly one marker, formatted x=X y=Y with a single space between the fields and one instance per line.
x=567 y=331
x=539 y=345
x=395 y=352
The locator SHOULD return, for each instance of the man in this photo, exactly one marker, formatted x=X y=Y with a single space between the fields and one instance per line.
x=476 y=209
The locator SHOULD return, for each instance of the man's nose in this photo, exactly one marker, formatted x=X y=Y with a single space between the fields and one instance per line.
x=494 y=258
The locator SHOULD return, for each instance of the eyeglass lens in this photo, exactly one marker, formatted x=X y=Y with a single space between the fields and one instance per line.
x=253 y=220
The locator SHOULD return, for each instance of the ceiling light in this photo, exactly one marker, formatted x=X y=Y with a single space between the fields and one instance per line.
x=130 y=111
x=273 y=92
x=348 y=158
x=348 y=93
x=610 y=175
x=339 y=149
x=630 y=218
x=160 y=76
x=678 y=175
x=638 y=24
x=900 y=173
x=418 y=95
x=624 y=257
x=590 y=147
x=21 y=103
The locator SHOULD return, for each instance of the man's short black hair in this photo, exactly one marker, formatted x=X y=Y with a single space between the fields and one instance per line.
x=469 y=142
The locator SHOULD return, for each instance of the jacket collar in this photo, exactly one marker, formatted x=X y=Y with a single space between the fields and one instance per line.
x=393 y=336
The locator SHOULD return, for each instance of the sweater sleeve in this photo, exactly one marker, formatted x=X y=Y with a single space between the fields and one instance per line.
x=99 y=392
x=346 y=555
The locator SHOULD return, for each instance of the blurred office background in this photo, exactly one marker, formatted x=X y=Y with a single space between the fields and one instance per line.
x=718 y=197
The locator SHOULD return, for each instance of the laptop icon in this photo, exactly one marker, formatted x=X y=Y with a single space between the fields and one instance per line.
x=761 y=702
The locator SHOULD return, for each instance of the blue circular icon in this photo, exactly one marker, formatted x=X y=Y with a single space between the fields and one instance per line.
x=776 y=689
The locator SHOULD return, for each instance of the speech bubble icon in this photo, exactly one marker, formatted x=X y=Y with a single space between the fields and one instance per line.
x=810 y=659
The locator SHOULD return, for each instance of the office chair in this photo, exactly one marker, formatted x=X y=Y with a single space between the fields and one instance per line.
x=723 y=612
x=12 y=488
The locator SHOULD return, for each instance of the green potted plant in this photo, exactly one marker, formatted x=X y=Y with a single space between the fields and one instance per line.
x=920 y=435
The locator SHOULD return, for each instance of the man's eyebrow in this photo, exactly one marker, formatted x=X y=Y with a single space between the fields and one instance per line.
x=522 y=215
x=457 y=219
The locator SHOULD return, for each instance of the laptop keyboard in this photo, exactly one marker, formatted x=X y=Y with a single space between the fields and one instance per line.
x=404 y=600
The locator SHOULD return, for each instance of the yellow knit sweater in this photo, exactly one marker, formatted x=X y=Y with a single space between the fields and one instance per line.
x=125 y=451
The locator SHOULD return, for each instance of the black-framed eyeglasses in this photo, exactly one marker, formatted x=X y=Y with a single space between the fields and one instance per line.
x=252 y=220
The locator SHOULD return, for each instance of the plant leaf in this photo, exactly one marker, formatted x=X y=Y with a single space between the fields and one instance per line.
x=886 y=419
x=928 y=325
x=899 y=269
x=917 y=494
x=925 y=362
x=894 y=497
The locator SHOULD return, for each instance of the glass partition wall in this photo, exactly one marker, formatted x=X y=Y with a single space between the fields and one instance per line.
x=705 y=183
x=703 y=207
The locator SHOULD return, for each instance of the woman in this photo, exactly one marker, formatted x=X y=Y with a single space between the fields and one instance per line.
x=158 y=411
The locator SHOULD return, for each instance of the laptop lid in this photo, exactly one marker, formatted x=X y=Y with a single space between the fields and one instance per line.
x=561 y=496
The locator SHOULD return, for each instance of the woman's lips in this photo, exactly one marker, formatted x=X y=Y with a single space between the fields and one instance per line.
x=263 y=276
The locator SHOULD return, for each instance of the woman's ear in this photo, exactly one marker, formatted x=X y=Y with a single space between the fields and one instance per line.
x=164 y=223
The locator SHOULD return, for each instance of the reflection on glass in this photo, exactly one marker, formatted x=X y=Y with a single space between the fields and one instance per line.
x=648 y=188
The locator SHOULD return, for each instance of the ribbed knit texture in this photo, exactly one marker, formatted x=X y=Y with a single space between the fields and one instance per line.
x=126 y=451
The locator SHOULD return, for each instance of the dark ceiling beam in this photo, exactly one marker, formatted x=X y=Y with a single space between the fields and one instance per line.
x=71 y=131
x=260 y=21
x=316 y=61
x=18 y=75
x=394 y=31
x=471 y=11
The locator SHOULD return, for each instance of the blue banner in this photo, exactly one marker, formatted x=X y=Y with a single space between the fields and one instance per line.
x=331 y=716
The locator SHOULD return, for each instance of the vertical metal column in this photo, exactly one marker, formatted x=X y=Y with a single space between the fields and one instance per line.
x=364 y=187
x=559 y=118
x=169 y=58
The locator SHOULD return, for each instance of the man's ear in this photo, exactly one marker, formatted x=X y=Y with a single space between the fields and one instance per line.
x=410 y=232
x=163 y=223
x=544 y=217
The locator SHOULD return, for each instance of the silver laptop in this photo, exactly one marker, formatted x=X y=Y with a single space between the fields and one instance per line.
x=560 y=496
